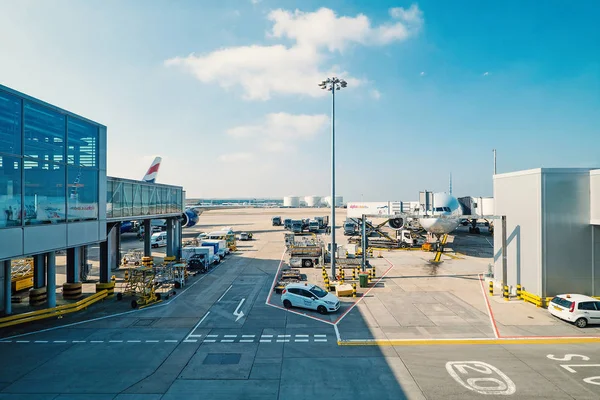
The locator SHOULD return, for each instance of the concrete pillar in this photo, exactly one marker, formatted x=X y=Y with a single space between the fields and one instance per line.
x=116 y=265
x=51 y=269
x=104 y=263
x=73 y=264
x=39 y=271
x=147 y=235
x=170 y=237
x=179 y=239
x=7 y=286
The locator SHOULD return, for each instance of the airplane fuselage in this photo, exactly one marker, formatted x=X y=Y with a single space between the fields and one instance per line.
x=443 y=205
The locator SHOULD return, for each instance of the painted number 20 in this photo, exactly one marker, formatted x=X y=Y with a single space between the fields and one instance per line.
x=484 y=379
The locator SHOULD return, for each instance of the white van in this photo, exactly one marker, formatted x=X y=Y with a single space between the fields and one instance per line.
x=158 y=239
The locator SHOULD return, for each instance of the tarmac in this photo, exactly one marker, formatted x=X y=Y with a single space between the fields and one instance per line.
x=417 y=332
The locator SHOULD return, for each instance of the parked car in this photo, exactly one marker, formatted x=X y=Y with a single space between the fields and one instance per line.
x=309 y=296
x=576 y=308
x=158 y=239
x=244 y=236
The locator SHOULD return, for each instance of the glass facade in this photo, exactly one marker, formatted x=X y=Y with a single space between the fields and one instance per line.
x=127 y=198
x=48 y=164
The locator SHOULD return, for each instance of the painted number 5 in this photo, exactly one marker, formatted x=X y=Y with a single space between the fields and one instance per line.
x=484 y=379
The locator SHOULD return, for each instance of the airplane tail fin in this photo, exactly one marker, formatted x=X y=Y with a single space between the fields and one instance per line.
x=152 y=171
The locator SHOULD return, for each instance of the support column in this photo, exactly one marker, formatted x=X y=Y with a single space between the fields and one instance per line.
x=104 y=264
x=504 y=259
x=73 y=264
x=170 y=237
x=147 y=235
x=7 y=287
x=118 y=247
x=51 y=278
x=179 y=239
x=39 y=271
x=363 y=242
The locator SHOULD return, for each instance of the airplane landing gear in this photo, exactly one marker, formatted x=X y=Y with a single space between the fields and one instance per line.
x=473 y=228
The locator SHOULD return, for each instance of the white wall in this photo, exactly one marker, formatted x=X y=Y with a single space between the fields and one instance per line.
x=517 y=195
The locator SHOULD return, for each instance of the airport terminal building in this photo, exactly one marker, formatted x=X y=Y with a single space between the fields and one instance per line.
x=54 y=193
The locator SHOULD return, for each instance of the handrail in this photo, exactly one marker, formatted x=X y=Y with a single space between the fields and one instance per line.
x=52 y=312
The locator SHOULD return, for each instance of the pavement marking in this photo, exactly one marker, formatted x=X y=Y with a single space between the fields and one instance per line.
x=197 y=325
x=265 y=336
x=22 y=341
x=41 y=341
x=153 y=306
x=226 y=341
x=190 y=340
x=171 y=341
x=209 y=341
x=494 y=385
x=194 y=335
x=60 y=341
x=320 y=340
x=115 y=341
x=301 y=340
x=133 y=341
x=473 y=341
x=212 y=335
x=265 y=340
x=229 y=335
x=341 y=317
x=79 y=341
x=489 y=308
x=96 y=341
x=248 y=336
x=223 y=295
x=152 y=341
x=283 y=340
x=284 y=336
x=301 y=335
x=320 y=335
x=247 y=341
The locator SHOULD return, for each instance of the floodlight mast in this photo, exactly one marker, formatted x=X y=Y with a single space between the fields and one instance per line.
x=333 y=84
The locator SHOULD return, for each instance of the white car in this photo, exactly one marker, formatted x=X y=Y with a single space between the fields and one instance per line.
x=577 y=308
x=309 y=296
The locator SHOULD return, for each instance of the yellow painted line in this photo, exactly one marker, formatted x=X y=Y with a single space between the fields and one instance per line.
x=482 y=341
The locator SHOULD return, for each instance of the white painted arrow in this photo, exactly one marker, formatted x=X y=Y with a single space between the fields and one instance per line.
x=241 y=313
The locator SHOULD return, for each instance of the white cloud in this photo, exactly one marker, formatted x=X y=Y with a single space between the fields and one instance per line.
x=422 y=73
x=278 y=131
x=282 y=126
x=236 y=157
x=486 y=73
x=376 y=94
x=264 y=70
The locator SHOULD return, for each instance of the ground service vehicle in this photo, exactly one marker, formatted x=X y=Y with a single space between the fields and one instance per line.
x=313 y=226
x=297 y=226
x=244 y=236
x=226 y=235
x=287 y=223
x=158 y=239
x=408 y=239
x=323 y=221
x=309 y=296
x=222 y=245
x=349 y=228
x=215 y=247
x=203 y=256
x=577 y=308
x=276 y=221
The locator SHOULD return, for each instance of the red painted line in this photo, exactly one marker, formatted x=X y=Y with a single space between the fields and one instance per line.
x=365 y=294
x=489 y=308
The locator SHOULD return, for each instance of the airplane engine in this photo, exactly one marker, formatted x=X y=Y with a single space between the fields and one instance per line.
x=190 y=218
x=396 y=223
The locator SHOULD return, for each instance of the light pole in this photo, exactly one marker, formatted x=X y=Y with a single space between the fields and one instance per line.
x=333 y=84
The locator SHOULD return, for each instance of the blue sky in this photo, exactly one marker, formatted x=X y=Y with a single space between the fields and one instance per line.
x=226 y=92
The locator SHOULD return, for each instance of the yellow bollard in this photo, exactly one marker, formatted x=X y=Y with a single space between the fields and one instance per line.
x=491 y=288
x=506 y=297
x=519 y=291
x=126 y=277
x=353 y=273
x=373 y=269
x=369 y=277
x=353 y=289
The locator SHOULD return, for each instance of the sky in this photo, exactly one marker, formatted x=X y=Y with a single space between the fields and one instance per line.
x=227 y=91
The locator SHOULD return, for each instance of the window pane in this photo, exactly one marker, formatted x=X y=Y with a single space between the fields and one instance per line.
x=127 y=199
x=109 y=197
x=137 y=199
x=10 y=191
x=83 y=194
x=44 y=192
x=82 y=142
x=44 y=132
x=145 y=199
x=117 y=199
x=10 y=124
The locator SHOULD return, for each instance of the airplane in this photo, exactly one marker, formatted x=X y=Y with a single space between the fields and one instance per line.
x=152 y=171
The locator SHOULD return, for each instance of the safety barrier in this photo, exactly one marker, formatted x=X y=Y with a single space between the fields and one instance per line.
x=533 y=299
x=38 y=296
x=52 y=312
x=72 y=291
x=109 y=287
